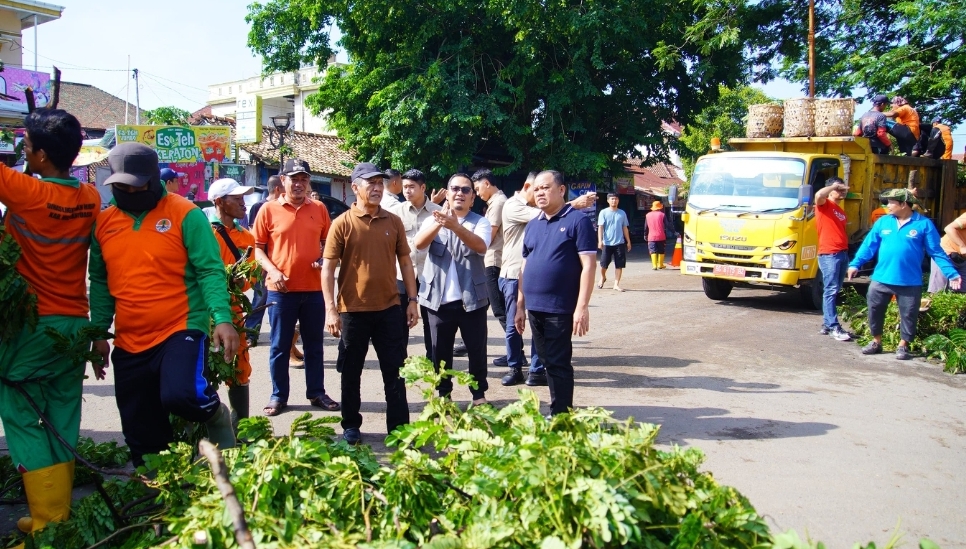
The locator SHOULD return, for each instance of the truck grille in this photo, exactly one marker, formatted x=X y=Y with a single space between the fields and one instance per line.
x=733 y=247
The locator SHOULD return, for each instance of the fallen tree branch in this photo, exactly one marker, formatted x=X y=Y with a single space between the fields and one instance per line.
x=218 y=470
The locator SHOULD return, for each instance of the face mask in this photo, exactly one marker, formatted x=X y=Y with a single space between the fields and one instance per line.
x=139 y=202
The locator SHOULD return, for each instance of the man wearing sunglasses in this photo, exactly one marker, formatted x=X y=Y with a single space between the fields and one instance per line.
x=455 y=292
x=901 y=238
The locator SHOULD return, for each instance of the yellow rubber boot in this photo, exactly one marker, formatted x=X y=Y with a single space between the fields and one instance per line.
x=48 y=495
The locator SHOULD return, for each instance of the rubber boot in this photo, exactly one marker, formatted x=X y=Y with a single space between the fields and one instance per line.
x=238 y=398
x=220 y=431
x=48 y=496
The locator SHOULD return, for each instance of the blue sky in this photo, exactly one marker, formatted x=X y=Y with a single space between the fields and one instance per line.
x=180 y=48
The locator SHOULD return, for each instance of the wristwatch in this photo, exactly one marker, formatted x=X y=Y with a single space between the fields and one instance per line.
x=413 y=299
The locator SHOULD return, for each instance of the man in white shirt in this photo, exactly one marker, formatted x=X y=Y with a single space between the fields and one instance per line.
x=413 y=212
x=454 y=282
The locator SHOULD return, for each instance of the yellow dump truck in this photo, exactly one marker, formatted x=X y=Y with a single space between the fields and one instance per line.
x=750 y=220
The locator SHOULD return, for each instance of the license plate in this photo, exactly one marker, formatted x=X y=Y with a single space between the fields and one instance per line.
x=729 y=270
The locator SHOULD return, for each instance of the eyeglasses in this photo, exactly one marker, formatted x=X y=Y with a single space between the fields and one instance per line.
x=464 y=190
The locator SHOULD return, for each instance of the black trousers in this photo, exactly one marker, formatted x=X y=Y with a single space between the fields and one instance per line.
x=472 y=326
x=552 y=335
x=168 y=378
x=427 y=339
x=497 y=304
x=905 y=139
x=388 y=334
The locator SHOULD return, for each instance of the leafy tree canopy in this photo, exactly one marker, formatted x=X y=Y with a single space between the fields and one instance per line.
x=725 y=119
x=442 y=84
x=167 y=116
x=913 y=48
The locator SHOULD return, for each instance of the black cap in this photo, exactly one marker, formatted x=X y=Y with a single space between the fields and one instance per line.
x=365 y=170
x=133 y=164
x=294 y=166
x=880 y=99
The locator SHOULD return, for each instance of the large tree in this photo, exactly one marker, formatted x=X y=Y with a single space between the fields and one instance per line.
x=913 y=48
x=575 y=85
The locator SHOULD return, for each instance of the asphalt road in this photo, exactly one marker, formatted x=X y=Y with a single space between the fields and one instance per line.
x=819 y=437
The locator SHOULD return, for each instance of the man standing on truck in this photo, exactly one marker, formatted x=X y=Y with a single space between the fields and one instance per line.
x=872 y=125
x=901 y=239
x=833 y=251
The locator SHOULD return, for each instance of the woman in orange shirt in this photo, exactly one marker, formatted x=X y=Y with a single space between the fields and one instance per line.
x=906 y=130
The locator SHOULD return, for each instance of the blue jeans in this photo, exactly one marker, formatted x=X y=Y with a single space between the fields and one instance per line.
x=834 y=268
x=308 y=308
x=514 y=341
x=254 y=320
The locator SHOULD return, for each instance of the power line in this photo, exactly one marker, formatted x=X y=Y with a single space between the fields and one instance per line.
x=158 y=82
x=173 y=81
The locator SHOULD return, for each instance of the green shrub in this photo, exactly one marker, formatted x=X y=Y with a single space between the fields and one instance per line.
x=946 y=312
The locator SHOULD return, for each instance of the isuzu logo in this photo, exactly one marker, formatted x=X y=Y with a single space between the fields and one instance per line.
x=734 y=238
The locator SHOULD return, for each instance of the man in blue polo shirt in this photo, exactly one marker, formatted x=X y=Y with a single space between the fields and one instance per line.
x=559 y=249
x=902 y=239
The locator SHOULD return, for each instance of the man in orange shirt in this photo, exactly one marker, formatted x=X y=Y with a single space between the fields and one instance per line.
x=233 y=239
x=51 y=219
x=906 y=130
x=156 y=272
x=289 y=235
x=833 y=251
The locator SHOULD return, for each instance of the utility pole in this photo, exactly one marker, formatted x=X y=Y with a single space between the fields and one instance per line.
x=35 y=42
x=811 y=48
x=137 y=98
x=127 y=93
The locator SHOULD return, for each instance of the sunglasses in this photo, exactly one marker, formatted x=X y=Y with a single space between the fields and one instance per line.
x=464 y=190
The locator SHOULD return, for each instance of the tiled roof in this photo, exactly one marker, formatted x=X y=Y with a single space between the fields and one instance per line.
x=660 y=170
x=200 y=114
x=95 y=108
x=324 y=153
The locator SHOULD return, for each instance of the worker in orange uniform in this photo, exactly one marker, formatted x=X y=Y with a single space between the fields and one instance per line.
x=156 y=272
x=233 y=240
x=50 y=218
x=906 y=130
x=946 y=135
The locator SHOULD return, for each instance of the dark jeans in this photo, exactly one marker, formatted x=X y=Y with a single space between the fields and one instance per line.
x=472 y=326
x=496 y=296
x=514 y=341
x=308 y=308
x=427 y=339
x=909 y=298
x=168 y=378
x=552 y=336
x=254 y=320
x=388 y=334
x=834 y=268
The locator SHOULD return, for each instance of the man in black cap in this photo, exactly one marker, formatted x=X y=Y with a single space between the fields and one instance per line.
x=873 y=126
x=289 y=235
x=369 y=241
x=156 y=274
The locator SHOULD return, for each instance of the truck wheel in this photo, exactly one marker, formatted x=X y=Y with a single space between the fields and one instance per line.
x=812 y=292
x=715 y=289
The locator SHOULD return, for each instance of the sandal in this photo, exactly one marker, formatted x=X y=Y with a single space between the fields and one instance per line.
x=601 y=283
x=325 y=403
x=273 y=408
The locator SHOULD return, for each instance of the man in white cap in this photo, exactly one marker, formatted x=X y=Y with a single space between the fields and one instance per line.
x=233 y=240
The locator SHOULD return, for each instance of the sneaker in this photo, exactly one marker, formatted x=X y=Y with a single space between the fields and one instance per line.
x=513 y=377
x=537 y=379
x=459 y=349
x=902 y=353
x=500 y=362
x=872 y=348
x=825 y=330
x=839 y=334
x=352 y=436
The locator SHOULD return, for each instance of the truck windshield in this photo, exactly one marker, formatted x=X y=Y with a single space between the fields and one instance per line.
x=746 y=183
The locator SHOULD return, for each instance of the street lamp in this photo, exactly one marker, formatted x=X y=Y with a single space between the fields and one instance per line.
x=280 y=123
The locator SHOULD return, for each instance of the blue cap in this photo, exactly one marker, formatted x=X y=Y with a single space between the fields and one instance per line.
x=168 y=173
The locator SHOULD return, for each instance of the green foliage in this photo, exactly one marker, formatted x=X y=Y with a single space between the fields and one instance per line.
x=947 y=311
x=100 y=454
x=725 y=119
x=17 y=301
x=166 y=116
x=950 y=349
x=911 y=48
x=576 y=86
x=238 y=275
x=77 y=348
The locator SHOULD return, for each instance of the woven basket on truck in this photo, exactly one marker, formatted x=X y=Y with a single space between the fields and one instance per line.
x=800 y=117
x=764 y=120
x=833 y=117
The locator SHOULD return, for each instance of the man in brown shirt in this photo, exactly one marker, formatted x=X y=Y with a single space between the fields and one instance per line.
x=368 y=241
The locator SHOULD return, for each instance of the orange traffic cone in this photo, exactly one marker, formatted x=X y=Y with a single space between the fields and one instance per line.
x=676 y=258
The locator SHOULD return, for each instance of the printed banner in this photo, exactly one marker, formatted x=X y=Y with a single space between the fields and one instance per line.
x=194 y=178
x=181 y=144
x=233 y=171
x=14 y=81
x=576 y=189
